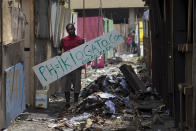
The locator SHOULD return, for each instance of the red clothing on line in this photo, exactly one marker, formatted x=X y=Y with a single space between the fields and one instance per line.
x=129 y=40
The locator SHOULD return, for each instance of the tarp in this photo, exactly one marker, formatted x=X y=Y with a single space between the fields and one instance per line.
x=91 y=27
x=146 y=15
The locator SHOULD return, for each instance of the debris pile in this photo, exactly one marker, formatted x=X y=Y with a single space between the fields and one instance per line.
x=110 y=84
x=114 y=101
x=115 y=98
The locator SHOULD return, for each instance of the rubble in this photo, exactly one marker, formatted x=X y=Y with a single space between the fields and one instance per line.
x=113 y=98
x=109 y=98
x=114 y=60
x=114 y=84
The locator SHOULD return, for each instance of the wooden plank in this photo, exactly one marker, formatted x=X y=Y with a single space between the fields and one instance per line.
x=41 y=19
x=133 y=81
x=185 y=106
x=188 y=67
x=189 y=110
x=194 y=65
x=32 y=49
x=149 y=51
x=188 y=90
x=185 y=47
x=2 y=95
x=26 y=10
x=181 y=123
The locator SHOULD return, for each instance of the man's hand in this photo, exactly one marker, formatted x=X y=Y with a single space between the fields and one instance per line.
x=83 y=40
x=59 y=52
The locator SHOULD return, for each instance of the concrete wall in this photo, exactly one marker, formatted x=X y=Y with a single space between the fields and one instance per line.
x=89 y=4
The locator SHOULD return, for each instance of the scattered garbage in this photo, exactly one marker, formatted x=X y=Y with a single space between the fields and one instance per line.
x=76 y=120
x=149 y=89
x=111 y=107
x=114 y=84
x=106 y=95
x=89 y=80
x=41 y=99
x=113 y=97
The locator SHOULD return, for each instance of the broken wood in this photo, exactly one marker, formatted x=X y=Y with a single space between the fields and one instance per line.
x=132 y=79
x=188 y=90
x=187 y=47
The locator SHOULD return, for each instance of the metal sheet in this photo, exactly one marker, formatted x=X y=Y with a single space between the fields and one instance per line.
x=15 y=92
x=41 y=19
x=60 y=17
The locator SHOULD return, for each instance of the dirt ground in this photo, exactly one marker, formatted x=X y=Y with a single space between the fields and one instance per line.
x=57 y=118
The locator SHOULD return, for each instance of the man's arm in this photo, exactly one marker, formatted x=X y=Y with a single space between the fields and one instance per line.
x=59 y=49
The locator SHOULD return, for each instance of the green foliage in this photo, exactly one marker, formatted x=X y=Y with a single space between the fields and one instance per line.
x=141 y=57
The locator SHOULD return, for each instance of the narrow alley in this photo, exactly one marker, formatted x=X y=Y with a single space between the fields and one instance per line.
x=106 y=103
x=97 y=65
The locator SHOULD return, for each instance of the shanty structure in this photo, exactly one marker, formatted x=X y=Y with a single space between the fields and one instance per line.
x=30 y=31
x=172 y=35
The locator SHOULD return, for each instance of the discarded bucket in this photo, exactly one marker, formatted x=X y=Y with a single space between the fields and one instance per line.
x=41 y=99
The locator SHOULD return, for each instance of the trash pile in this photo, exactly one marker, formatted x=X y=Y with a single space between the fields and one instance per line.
x=118 y=97
x=114 y=101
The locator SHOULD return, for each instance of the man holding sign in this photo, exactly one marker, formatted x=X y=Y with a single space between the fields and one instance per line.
x=67 y=43
x=75 y=55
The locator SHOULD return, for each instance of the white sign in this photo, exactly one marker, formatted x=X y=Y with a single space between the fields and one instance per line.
x=56 y=67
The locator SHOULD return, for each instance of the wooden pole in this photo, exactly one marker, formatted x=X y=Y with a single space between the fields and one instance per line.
x=2 y=89
x=69 y=4
x=96 y=59
x=84 y=15
x=181 y=88
x=188 y=55
x=32 y=54
x=84 y=18
x=193 y=66
x=188 y=67
x=172 y=57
